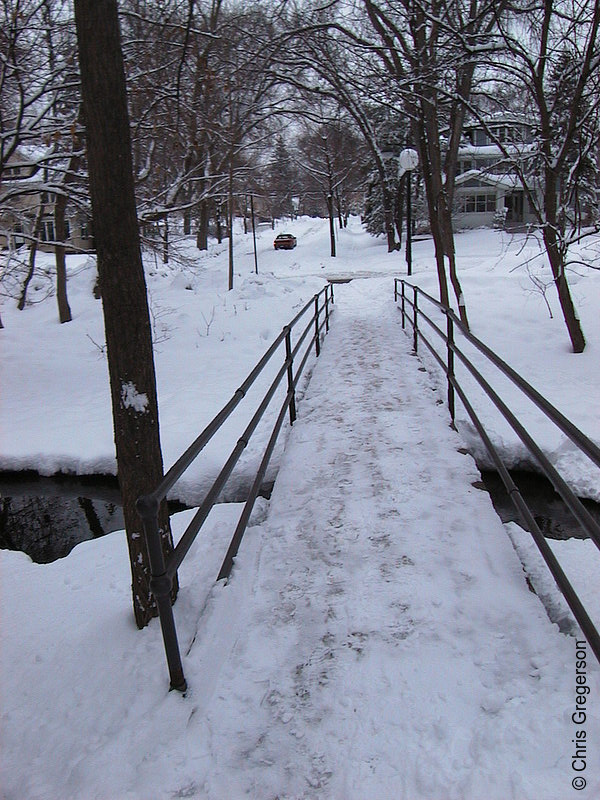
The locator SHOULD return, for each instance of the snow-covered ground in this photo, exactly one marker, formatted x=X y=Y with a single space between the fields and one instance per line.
x=377 y=638
x=55 y=403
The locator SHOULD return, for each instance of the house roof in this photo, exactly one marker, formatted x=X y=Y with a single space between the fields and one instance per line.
x=27 y=155
x=487 y=179
x=500 y=118
x=494 y=150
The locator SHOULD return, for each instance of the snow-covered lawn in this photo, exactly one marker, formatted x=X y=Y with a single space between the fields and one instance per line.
x=377 y=638
x=55 y=403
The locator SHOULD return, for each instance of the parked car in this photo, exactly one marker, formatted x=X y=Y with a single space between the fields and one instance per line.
x=284 y=241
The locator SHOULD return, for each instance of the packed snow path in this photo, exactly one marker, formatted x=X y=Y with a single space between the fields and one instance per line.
x=389 y=646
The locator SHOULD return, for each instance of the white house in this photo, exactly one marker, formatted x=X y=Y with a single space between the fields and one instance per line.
x=24 y=189
x=487 y=190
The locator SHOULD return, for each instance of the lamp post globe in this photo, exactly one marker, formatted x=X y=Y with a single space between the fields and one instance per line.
x=408 y=159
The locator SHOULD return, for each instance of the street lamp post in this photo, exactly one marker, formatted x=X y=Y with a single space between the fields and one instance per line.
x=407 y=161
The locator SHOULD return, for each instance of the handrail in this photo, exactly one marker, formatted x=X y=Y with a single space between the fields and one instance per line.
x=581 y=441
x=566 y=426
x=163 y=571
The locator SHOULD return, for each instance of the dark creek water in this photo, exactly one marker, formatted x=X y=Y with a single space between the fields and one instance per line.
x=550 y=512
x=47 y=517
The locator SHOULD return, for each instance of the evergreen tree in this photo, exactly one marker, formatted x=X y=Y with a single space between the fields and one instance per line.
x=282 y=181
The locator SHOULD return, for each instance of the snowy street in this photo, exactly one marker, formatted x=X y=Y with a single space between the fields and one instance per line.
x=377 y=638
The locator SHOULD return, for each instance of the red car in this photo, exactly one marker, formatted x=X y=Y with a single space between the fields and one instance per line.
x=284 y=241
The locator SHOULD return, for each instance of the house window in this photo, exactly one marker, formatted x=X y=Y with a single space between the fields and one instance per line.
x=18 y=234
x=48 y=230
x=477 y=203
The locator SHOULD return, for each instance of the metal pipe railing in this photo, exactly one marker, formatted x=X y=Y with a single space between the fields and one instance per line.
x=577 y=437
x=163 y=570
x=591 y=449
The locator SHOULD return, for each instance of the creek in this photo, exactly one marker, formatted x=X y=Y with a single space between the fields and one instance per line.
x=47 y=517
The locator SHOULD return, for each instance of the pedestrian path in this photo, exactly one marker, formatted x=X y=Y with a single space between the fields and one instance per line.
x=386 y=644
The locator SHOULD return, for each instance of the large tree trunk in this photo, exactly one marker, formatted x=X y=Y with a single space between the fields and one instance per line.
x=122 y=281
x=60 y=232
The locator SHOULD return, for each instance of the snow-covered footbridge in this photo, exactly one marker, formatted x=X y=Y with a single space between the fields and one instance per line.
x=377 y=638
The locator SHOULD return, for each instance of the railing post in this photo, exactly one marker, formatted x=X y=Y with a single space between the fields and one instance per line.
x=317 y=342
x=403 y=306
x=327 y=308
x=290 y=372
x=395 y=290
x=451 y=407
x=160 y=586
x=415 y=320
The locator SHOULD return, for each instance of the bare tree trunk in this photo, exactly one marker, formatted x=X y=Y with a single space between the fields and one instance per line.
x=64 y=310
x=37 y=226
x=556 y=250
x=388 y=209
x=338 y=206
x=218 y=223
x=419 y=137
x=331 y=224
x=399 y=208
x=562 y=287
x=202 y=233
x=230 y=220
x=450 y=252
x=165 y=238
x=124 y=296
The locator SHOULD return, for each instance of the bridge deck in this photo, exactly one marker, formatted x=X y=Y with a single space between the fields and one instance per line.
x=388 y=645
